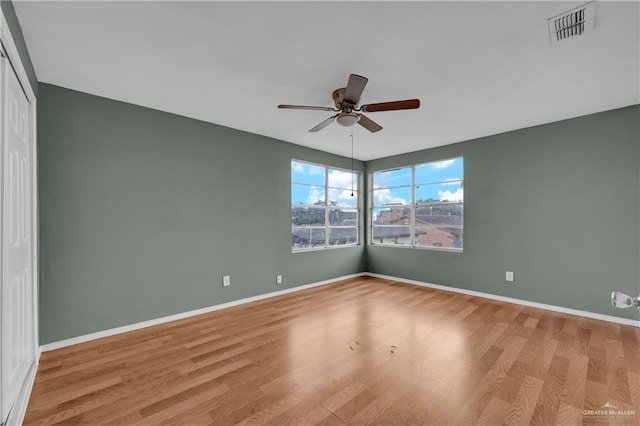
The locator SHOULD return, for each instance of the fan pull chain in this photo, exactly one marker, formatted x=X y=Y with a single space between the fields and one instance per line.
x=352 y=174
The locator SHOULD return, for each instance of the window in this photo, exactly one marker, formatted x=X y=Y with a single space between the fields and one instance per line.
x=324 y=206
x=419 y=206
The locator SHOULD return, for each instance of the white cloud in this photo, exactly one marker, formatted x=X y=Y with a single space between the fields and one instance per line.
x=315 y=170
x=340 y=179
x=451 y=196
x=438 y=165
x=342 y=195
x=392 y=178
x=315 y=195
x=297 y=167
x=451 y=181
x=309 y=169
x=385 y=196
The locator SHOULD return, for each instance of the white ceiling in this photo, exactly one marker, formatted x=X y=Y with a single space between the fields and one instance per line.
x=479 y=68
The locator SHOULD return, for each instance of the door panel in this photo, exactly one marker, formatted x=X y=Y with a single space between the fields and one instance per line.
x=17 y=247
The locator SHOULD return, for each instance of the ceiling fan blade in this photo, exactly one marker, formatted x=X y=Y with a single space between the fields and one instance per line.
x=315 y=108
x=354 y=89
x=391 y=106
x=369 y=124
x=324 y=124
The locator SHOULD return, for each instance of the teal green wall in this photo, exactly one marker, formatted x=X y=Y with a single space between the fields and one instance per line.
x=16 y=32
x=557 y=204
x=142 y=212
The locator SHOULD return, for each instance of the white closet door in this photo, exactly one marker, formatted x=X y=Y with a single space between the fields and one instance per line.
x=17 y=245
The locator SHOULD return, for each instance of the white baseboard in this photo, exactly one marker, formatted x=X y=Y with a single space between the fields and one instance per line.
x=113 y=331
x=554 y=308
x=19 y=409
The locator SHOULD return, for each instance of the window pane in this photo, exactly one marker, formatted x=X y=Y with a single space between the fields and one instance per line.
x=307 y=173
x=439 y=236
x=343 y=217
x=395 y=196
x=343 y=197
x=307 y=216
x=307 y=194
x=432 y=204
x=449 y=192
x=397 y=235
x=307 y=237
x=313 y=187
x=439 y=171
x=343 y=179
x=392 y=215
x=341 y=236
x=389 y=178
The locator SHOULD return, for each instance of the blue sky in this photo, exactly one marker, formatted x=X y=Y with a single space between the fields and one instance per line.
x=309 y=185
x=440 y=180
x=439 y=171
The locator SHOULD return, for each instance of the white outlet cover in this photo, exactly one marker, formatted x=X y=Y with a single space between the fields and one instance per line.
x=226 y=280
x=509 y=276
x=278 y=279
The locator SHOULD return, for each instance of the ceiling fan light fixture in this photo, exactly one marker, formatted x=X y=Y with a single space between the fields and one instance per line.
x=347 y=119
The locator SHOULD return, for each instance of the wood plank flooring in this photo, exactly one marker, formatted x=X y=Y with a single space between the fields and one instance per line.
x=362 y=351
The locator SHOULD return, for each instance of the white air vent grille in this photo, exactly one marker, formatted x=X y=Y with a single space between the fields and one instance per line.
x=572 y=23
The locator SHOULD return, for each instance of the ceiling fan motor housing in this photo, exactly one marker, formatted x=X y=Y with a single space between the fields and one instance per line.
x=338 y=99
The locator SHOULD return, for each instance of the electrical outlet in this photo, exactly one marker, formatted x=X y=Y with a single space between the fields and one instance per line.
x=278 y=279
x=226 y=281
x=509 y=276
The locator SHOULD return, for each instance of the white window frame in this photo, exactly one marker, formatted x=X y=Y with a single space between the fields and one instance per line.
x=413 y=205
x=327 y=207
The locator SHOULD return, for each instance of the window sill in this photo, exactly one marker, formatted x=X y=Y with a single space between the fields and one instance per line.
x=444 y=249
x=305 y=250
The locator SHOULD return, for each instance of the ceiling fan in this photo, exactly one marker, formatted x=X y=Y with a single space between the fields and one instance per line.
x=347 y=99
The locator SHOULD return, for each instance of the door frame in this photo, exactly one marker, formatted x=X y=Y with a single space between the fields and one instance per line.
x=9 y=49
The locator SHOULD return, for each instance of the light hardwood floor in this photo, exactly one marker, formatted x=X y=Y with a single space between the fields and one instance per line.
x=360 y=351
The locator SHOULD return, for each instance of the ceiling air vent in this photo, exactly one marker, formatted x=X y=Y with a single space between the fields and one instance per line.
x=573 y=22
